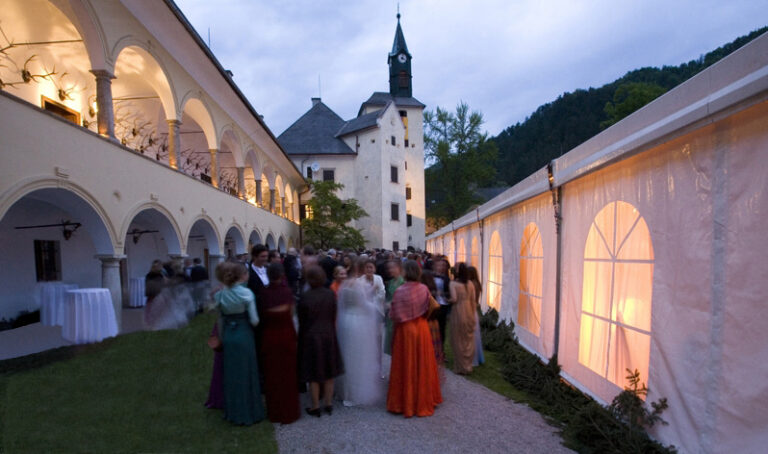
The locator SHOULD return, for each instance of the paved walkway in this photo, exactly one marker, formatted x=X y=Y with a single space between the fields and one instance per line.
x=472 y=419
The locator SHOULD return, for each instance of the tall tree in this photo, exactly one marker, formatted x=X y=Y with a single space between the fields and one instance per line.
x=328 y=218
x=628 y=98
x=462 y=158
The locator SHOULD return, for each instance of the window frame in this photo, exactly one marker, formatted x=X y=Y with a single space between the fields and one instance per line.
x=332 y=173
x=394 y=211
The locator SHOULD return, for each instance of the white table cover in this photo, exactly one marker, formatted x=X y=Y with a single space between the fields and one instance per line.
x=137 y=293
x=50 y=297
x=89 y=317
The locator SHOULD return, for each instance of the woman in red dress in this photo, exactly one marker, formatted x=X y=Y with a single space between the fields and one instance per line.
x=278 y=348
x=414 y=385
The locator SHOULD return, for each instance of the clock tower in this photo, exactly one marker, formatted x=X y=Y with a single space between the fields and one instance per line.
x=399 y=61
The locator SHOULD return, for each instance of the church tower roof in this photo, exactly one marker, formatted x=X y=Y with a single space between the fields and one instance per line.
x=399 y=46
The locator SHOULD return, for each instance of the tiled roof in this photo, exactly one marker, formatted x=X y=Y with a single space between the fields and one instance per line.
x=360 y=123
x=315 y=133
x=381 y=98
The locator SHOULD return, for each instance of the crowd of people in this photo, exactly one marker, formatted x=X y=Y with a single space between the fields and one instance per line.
x=174 y=292
x=322 y=322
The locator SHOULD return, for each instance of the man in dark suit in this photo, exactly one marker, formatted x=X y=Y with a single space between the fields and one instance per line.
x=329 y=264
x=198 y=272
x=257 y=270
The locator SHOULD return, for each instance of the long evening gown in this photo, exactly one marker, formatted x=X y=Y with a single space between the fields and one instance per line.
x=216 y=390
x=278 y=353
x=462 y=326
x=359 y=331
x=319 y=353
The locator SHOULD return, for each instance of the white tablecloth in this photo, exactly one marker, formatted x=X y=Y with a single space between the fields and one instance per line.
x=137 y=293
x=89 y=316
x=50 y=297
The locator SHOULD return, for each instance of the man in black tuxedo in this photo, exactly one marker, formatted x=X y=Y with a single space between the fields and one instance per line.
x=442 y=282
x=198 y=272
x=329 y=264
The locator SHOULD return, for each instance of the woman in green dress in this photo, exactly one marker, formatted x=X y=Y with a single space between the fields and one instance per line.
x=242 y=396
x=395 y=270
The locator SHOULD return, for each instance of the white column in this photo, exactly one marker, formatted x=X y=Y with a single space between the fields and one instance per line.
x=110 y=280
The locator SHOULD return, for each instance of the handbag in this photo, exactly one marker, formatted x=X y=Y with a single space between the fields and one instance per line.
x=215 y=343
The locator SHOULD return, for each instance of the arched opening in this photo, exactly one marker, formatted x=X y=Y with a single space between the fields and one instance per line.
x=143 y=105
x=229 y=158
x=50 y=234
x=270 y=242
x=461 y=255
x=265 y=192
x=281 y=245
x=288 y=201
x=151 y=235
x=531 y=279
x=495 y=271
x=234 y=244
x=279 y=196
x=45 y=60
x=474 y=254
x=197 y=137
x=254 y=239
x=203 y=242
x=252 y=177
x=615 y=332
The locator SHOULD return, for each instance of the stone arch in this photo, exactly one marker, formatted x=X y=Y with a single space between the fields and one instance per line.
x=235 y=233
x=230 y=139
x=269 y=241
x=279 y=186
x=281 y=244
x=83 y=17
x=71 y=198
x=164 y=221
x=140 y=61
x=198 y=110
x=204 y=225
x=252 y=161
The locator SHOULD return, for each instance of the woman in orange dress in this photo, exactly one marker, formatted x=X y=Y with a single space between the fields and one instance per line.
x=414 y=384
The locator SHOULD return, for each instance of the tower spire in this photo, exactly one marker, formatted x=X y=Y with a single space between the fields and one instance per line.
x=399 y=60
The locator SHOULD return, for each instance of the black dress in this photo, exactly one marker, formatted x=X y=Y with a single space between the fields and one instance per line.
x=319 y=354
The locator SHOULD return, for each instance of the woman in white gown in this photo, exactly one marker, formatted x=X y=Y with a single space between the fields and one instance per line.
x=359 y=323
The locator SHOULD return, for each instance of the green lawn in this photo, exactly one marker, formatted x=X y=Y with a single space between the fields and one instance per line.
x=141 y=392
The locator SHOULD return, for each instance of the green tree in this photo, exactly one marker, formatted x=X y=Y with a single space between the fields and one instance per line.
x=328 y=225
x=462 y=159
x=628 y=98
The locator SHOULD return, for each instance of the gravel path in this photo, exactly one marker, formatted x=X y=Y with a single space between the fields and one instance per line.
x=471 y=419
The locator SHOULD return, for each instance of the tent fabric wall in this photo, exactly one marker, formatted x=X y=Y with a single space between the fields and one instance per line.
x=686 y=171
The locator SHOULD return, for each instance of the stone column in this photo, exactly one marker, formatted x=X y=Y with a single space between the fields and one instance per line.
x=241 y=182
x=258 y=193
x=110 y=280
x=105 y=116
x=174 y=143
x=214 y=167
x=283 y=211
x=213 y=261
x=272 y=200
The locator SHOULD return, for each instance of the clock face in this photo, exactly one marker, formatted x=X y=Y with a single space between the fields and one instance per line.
x=401 y=58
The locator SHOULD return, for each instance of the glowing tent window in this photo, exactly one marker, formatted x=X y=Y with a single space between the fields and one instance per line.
x=495 y=269
x=531 y=274
x=616 y=295
x=449 y=252
x=474 y=255
x=461 y=255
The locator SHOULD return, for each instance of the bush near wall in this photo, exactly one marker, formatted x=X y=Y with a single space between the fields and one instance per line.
x=586 y=426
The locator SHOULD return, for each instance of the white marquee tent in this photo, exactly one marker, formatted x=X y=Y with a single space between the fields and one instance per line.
x=660 y=261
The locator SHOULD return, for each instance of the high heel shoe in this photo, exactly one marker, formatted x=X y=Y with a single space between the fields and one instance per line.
x=316 y=412
x=328 y=409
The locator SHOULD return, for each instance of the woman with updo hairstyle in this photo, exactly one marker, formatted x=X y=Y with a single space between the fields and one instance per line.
x=237 y=305
x=278 y=346
x=414 y=383
x=319 y=356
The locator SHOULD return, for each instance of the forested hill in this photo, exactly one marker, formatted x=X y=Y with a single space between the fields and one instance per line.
x=572 y=118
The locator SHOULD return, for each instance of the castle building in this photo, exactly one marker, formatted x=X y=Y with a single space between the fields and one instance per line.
x=378 y=156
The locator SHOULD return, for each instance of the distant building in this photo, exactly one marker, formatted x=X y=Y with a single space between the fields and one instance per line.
x=378 y=155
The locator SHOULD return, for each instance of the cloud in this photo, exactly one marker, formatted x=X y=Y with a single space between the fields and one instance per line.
x=504 y=58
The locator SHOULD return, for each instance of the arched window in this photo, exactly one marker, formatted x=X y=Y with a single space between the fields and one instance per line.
x=495 y=269
x=474 y=255
x=461 y=254
x=616 y=295
x=531 y=274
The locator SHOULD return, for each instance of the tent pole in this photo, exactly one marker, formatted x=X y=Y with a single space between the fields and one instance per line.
x=557 y=204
